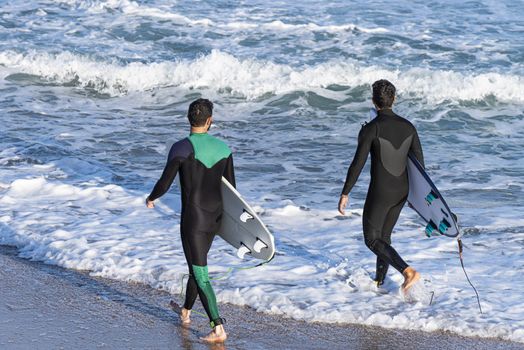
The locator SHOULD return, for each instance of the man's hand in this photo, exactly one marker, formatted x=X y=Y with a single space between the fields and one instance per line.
x=150 y=204
x=342 y=203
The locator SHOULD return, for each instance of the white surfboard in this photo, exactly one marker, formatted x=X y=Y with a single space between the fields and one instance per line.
x=427 y=201
x=242 y=228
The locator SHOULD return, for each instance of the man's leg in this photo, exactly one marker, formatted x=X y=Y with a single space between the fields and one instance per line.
x=410 y=274
x=374 y=219
x=383 y=250
x=200 y=243
x=381 y=271
x=389 y=223
x=191 y=288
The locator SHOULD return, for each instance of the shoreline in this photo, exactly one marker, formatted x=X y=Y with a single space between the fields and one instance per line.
x=49 y=307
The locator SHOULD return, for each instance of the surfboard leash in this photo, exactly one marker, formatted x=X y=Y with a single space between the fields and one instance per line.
x=225 y=275
x=466 y=274
x=231 y=269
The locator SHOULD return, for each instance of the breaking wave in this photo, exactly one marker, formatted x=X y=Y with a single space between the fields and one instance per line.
x=251 y=78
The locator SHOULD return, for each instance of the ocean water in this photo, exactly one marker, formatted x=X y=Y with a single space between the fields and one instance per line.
x=92 y=94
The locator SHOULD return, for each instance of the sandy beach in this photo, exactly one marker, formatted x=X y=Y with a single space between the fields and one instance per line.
x=48 y=307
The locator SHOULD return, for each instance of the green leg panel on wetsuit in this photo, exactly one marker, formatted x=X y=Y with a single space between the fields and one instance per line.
x=202 y=280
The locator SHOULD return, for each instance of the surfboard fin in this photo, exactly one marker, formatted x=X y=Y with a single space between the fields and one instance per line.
x=443 y=226
x=431 y=197
x=246 y=216
x=431 y=228
x=242 y=251
x=259 y=245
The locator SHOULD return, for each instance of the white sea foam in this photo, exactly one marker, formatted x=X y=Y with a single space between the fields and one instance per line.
x=132 y=8
x=252 y=78
x=109 y=231
x=309 y=27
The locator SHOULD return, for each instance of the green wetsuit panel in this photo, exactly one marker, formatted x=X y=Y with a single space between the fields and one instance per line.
x=202 y=280
x=208 y=149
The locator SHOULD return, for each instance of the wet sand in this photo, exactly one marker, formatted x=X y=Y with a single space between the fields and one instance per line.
x=48 y=307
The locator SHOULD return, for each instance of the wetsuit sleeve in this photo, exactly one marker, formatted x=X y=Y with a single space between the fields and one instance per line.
x=416 y=149
x=167 y=178
x=229 y=171
x=365 y=138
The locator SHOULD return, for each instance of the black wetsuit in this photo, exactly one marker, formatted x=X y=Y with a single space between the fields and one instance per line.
x=389 y=138
x=201 y=160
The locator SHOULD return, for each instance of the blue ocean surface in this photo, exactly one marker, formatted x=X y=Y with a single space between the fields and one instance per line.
x=92 y=94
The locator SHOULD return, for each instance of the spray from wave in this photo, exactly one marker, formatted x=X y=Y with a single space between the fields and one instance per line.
x=251 y=78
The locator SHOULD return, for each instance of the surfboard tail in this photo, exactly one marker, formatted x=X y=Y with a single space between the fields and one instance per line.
x=428 y=202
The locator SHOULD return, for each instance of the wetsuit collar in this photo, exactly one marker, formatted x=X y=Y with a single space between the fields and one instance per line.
x=198 y=133
x=386 y=112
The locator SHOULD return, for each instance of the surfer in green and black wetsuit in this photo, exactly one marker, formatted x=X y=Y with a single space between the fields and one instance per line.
x=389 y=138
x=201 y=160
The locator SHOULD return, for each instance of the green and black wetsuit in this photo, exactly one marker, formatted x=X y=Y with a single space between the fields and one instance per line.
x=201 y=160
x=389 y=138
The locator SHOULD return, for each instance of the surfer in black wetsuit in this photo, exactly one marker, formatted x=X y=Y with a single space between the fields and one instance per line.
x=201 y=160
x=389 y=138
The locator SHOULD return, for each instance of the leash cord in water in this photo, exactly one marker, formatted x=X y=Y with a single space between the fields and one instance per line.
x=465 y=273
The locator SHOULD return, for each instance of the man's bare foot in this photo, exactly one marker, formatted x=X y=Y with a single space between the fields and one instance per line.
x=184 y=316
x=183 y=312
x=217 y=335
x=411 y=276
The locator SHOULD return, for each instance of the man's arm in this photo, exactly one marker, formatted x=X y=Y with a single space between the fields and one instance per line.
x=416 y=149
x=365 y=137
x=229 y=171
x=165 y=181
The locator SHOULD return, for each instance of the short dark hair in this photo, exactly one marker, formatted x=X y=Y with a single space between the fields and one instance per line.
x=199 y=111
x=383 y=93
